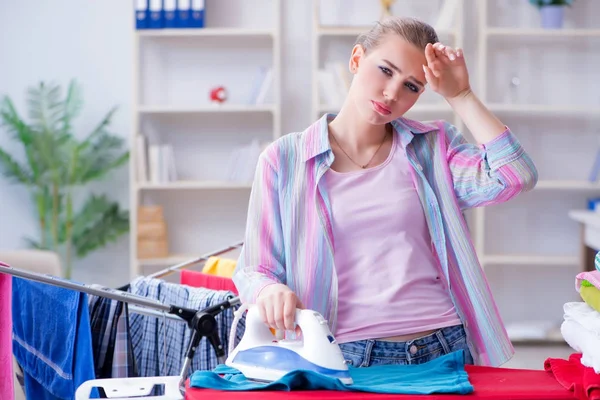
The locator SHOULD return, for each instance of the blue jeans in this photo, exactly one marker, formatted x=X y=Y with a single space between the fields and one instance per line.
x=364 y=353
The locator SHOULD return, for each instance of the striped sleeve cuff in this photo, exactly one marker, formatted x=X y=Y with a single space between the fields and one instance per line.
x=502 y=150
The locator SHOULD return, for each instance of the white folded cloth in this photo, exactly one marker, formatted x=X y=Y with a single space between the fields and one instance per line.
x=585 y=315
x=583 y=341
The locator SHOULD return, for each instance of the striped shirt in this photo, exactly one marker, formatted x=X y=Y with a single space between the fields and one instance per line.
x=289 y=237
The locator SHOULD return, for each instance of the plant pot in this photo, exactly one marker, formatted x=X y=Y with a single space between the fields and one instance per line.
x=552 y=16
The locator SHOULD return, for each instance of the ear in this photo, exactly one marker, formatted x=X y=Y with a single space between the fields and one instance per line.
x=358 y=53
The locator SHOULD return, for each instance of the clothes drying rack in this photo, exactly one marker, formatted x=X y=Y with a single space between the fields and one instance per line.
x=201 y=322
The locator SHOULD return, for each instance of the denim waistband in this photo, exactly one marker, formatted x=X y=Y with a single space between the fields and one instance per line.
x=440 y=341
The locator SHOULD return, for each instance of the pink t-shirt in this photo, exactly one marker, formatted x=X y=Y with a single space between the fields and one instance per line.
x=389 y=281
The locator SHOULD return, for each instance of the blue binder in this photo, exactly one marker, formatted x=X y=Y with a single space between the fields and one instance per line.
x=155 y=10
x=141 y=14
x=183 y=13
x=170 y=13
x=197 y=14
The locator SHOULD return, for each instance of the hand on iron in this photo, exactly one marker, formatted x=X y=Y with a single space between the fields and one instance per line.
x=277 y=305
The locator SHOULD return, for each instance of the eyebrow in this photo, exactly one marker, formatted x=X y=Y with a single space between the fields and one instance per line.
x=392 y=66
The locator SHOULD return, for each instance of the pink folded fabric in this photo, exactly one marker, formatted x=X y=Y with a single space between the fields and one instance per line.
x=6 y=365
x=592 y=277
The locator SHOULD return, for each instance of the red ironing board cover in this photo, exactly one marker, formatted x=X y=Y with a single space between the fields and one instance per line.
x=489 y=383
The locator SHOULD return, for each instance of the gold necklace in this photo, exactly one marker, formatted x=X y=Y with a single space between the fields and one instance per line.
x=372 y=157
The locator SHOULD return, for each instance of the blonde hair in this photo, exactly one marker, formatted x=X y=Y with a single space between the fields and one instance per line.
x=412 y=30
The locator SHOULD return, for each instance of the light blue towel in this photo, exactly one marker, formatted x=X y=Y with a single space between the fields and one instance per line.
x=51 y=339
x=445 y=374
x=597 y=261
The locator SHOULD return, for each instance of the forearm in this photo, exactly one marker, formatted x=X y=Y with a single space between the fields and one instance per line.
x=482 y=123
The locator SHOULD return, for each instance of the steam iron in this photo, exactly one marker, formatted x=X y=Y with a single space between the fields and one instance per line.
x=261 y=357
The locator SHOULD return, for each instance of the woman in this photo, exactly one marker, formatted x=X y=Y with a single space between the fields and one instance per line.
x=360 y=217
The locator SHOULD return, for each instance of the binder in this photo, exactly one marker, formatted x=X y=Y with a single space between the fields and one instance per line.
x=155 y=9
x=183 y=13
x=197 y=14
x=170 y=13
x=141 y=14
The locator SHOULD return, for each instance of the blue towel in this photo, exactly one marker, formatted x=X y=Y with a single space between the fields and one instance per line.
x=51 y=339
x=445 y=374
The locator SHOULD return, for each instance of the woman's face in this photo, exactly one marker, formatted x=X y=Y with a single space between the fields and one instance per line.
x=388 y=79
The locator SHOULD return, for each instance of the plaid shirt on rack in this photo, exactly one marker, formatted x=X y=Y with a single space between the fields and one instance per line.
x=160 y=344
x=110 y=338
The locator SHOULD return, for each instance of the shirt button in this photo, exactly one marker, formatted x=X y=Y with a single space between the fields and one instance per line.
x=419 y=167
x=413 y=349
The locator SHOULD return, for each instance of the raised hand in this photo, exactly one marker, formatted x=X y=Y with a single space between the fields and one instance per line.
x=446 y=70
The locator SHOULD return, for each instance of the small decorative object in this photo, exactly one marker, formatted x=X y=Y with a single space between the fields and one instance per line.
x=386 y=6
x=552 y=12
x=218 y=94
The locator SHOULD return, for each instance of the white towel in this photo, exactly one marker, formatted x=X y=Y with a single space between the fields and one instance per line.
x=585 y=315
x=583 y=341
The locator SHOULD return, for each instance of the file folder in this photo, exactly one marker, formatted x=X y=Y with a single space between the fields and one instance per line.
x=183 y=13
x=170 y=13
x=141 y=14
x=155 y=9
x=197 y=14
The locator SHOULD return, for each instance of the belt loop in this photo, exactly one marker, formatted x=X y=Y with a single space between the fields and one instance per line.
x=440 y=335
x=367 y=356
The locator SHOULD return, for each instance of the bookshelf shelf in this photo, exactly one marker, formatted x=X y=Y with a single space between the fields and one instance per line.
x=223 y=108
x=542 y=33
x=195 y=185
x=529 y=259
x=206 y=32
x=182 y=149
x=545 y=110
x=354 y=31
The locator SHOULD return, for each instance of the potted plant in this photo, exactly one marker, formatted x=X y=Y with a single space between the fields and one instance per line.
x=56 y=167
x=552 y=12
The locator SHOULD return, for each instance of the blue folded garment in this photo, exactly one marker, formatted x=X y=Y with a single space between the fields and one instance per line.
x=445 y=374
x=51 y=339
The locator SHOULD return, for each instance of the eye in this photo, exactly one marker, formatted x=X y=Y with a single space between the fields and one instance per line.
x=412 y=87
x=386 y=71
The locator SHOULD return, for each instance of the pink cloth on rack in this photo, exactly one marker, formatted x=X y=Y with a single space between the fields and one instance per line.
x=213 y=282
x=592 y=277
x=6 y=365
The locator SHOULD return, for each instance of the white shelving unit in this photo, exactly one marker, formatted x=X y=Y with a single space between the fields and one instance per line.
x=326 y=37
x=531 y=237
x=173 y=70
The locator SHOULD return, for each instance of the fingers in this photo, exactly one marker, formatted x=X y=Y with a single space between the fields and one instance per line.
x=430 y=77
x=430 y=53
x=277 y=308
x=289 y=313
x=444 y=52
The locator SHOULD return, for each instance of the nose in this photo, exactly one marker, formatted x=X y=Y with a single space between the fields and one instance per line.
x=391 y=92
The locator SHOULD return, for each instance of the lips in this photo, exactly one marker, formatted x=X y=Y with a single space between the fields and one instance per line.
x=381 y=108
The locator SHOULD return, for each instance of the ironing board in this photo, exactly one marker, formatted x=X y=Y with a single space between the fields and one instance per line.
x=489 y=383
